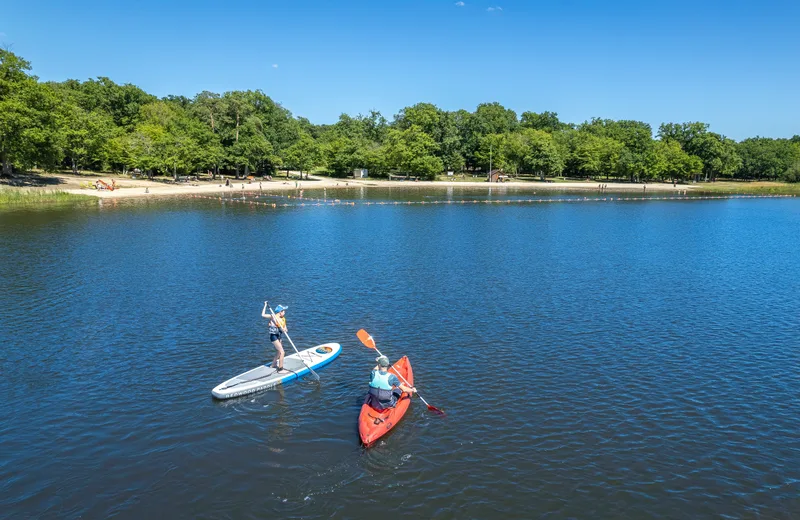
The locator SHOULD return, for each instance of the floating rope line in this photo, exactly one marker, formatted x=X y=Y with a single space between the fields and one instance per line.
x=306 y=202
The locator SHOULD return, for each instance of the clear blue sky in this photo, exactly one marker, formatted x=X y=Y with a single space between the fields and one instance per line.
x=733 y=64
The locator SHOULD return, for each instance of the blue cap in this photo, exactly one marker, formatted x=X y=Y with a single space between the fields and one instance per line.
x=280 y=308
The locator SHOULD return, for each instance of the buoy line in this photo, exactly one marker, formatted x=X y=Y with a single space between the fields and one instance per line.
x=310 y=202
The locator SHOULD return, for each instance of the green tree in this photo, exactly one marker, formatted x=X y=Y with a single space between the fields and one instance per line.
x=426 y=116
x=492 y=153
x=541 y=154
x=546 y=121
x=671 y=161
x=342 y=155
x=28 y=122
x=121 y=102
x=589 y=155
x=635 y=136
x=412 y=151
x=718 y=154
x=683 y=133
x=765 y=158
x=489 y=118
x=304 y=154
x=85 y=135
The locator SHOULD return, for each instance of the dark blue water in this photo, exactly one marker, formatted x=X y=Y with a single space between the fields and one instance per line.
x=595 y=360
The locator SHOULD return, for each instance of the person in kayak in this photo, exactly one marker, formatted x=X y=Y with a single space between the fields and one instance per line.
x=276 y=334
x=385 y=388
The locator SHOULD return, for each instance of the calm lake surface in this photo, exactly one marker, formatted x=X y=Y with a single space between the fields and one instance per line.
x=608 y=359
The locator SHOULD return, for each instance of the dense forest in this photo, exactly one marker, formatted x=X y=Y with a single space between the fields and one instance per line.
x=102 y=126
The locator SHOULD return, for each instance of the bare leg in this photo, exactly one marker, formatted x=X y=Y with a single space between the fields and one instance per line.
x=277 y=361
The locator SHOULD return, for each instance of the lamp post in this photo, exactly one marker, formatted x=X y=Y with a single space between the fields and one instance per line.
x=490 y=161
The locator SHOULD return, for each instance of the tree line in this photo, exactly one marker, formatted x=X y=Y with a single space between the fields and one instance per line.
x=102 y=126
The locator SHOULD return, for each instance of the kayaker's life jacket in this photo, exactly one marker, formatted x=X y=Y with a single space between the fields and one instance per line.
x=380 y=388
x=281 y=324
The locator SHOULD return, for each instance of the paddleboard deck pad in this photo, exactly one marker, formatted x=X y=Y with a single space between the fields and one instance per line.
x=264 y=377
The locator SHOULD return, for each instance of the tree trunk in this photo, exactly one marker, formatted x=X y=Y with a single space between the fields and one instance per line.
x=74 y=166
x=6 y=166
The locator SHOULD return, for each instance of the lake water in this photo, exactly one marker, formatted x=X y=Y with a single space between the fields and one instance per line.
x=596 y=359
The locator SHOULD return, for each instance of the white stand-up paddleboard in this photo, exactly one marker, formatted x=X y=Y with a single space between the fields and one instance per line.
x=264 y=377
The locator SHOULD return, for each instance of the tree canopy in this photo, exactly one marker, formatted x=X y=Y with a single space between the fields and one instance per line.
x=100 y=125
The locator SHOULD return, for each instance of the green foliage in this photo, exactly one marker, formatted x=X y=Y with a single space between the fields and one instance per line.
x=792 y=174
x=28 y=122
x=589 y=155
x=541 y=154
x=491 y=152
x=99 y=124
x=764 y=158
x=669 y=160
x=412 y=151
x=303 y=155
x=546 y=121
x=342 y=155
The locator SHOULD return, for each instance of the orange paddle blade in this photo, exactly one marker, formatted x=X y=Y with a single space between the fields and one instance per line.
x=366 y=339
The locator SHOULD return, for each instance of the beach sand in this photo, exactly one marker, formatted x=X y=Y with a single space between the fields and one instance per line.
x=145 y=188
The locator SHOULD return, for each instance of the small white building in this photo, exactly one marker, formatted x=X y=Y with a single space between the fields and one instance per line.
x=360 y=173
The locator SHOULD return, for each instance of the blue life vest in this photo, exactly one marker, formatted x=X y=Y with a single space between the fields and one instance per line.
x=380 y=380
x=382 y=391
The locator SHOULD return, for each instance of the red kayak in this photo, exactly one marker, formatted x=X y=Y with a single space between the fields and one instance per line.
x=372 y=424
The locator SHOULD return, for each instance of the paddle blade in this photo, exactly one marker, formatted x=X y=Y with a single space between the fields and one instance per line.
x=366 y=339
x=435 y=410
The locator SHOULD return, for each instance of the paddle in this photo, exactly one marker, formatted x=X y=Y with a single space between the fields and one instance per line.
x=368 y=342
x=278 y=323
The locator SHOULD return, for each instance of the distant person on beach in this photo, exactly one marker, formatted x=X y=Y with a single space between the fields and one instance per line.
x=276 y=329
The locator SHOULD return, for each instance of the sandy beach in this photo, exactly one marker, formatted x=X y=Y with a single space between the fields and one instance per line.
x=126 y=187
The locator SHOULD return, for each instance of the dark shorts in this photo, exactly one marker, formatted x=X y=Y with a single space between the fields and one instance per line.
x=379 y=405
x=274 y=337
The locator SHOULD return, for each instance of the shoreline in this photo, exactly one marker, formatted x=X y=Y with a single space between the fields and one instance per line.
x=129 y=188
x=144 y=188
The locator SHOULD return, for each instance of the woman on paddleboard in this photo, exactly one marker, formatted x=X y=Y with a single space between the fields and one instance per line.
x=385 y=388
x=276 y=333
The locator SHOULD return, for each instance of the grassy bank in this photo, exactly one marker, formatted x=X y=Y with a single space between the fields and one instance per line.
x=750 y=188
x=35 y=197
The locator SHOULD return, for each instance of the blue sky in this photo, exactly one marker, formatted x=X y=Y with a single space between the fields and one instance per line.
x=732 y=64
